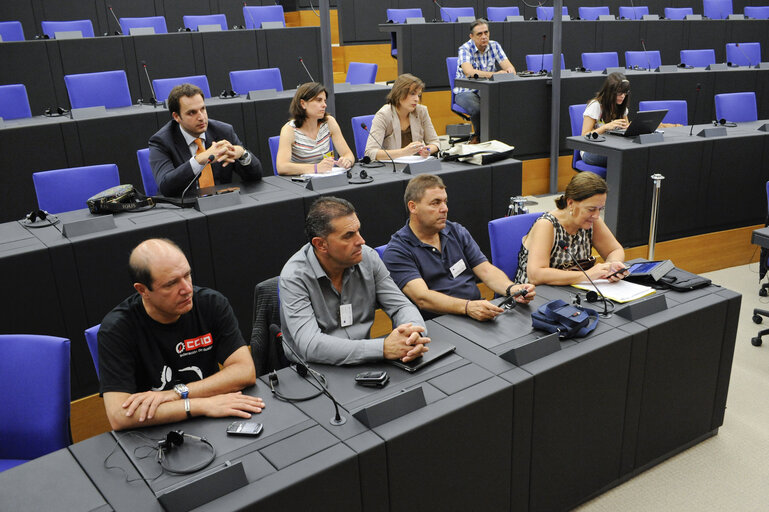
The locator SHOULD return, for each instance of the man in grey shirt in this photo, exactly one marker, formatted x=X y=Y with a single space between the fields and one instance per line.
x=330 y=289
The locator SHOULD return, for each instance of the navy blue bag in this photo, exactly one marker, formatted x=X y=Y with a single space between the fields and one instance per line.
x=567 y=320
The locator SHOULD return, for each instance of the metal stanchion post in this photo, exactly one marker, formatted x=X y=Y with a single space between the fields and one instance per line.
x=655 y=207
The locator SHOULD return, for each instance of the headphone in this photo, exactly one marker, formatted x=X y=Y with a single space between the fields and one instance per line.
x=58 y=112
x=176 y=438
x=594 y=137
x=228 y=94
x=724 y=122
x=39 y=219
x=368 y=163
x=582 y=69
x=590 y=296
x=357 y=177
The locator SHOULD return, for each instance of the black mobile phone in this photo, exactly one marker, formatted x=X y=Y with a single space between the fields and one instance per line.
x=245 y=428
x=374 y=378
x=617 y=272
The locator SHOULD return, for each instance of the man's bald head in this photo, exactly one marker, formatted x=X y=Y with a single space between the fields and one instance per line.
x=140 y=263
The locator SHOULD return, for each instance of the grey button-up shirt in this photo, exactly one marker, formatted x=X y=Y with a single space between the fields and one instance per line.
x=309 y=308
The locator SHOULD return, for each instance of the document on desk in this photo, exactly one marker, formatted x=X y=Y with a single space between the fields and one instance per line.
x=618 y=291
x=333 y=172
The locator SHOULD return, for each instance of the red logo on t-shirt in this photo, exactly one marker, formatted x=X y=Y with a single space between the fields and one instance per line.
x=195 y=343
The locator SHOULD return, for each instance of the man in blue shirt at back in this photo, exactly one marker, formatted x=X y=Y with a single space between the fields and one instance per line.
x=435 y=261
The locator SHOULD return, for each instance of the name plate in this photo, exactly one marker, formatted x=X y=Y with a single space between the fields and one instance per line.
x=415 y=21
x=503 y=77
x=736 y=17
x=142 y=31
x=262 y=94
x=272 y=24
x=216 y=201
x=88 y=225
x=566 y=17
x=425 y=166
x=192 y=493
x=606 y=17
x=213 y=27
x=391 y=408
x=667 y=68
x=764 y=127
x=716 y=131
x=533 y=350
x=617 y=69
x=465 y=19
x=644 y=307
x=88 y=112
x=514 y=18
x=564 y=72
x=718 y=66
x=650 y=17
x=693 y=17
x=648 y=138
x=323 y=182
x=68 y=34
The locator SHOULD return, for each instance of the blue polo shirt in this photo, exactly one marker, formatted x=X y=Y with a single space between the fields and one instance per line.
x=407 y=258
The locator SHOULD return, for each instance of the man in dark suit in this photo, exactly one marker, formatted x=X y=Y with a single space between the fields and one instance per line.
x=183 y=147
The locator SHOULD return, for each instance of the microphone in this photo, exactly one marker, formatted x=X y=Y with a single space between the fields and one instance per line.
x=648 y=60
x=301 y=61
x=750 y=65
x=542 y=60
x=211 y=159
x=363 y=125
x=253 y=22
x=153 y=100
x=694 y=117
x=440 y=8
x=565 y=246
x=118 y=32
x=338 y=419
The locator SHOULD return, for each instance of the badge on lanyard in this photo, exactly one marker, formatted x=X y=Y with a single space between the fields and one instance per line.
x=457 y=268
x=345 y=314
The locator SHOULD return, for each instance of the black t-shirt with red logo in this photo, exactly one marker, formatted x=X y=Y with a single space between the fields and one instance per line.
x=138 y=354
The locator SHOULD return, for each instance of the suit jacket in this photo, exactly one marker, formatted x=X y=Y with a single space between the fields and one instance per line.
x=386 y=129
x=170 y=158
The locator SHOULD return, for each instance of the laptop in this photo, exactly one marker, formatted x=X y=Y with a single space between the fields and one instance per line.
x=438 y=349
x=645 y=121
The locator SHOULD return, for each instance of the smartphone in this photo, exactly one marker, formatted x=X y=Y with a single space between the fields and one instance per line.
x=245 y=428
x=618 y=272
x=375 y=378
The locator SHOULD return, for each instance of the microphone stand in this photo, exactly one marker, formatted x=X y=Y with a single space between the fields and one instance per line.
x=744 y=55
x=252 y=19
x=440 y=8
x=119 y=30
x=363 y=125
x=542 y=60
x=694 y=117
x=646 y=54
x=301 y=61
x=606 y=313
x=211 y=158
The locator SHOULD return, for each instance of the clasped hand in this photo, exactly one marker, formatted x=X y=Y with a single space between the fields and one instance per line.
x=405 y=343
x=223 y=151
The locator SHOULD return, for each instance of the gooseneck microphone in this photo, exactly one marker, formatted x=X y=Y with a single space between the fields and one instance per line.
x=750 y=64
x=542 y=60
x=338 y=419
x=694 y=117
x=118 y=32
x=440 y=8
x=363 y=125
x=565 y=247
x=648 y=60
x=195 y=178
x=301 y=61
x=251 y=16
x=153 y=100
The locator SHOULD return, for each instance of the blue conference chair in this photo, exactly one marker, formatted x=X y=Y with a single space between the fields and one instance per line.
x=452 y=13
x=576 y=114
x=451 y=67
x=717 y=9
x=256 y=80
x=598 y=61
x=380 y=250
x=51 y=27
x=633 y=13
x=505 y=237
x=361 y=73
x=360 y=135
x=64 y=190
x=760 y=12
x=677 y=13
x=400 y=16
x=192 y=22
x=677 y=110
x=542 y=62
x=106 y=88
x=650 y=59
x=501 y=13
x=91 y=339
x=592 y=13
x=148 y=179
x=255 y=15
x=14 y=103
x=163 y=86
x=698 y=58
x=736 y=107
x=546 y=13
x=156 y=23
x=34 y=413
x=11 y=31
x=274 y=143
x=743 y=54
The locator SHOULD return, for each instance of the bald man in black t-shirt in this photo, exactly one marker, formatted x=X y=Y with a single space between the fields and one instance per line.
x=160 y=349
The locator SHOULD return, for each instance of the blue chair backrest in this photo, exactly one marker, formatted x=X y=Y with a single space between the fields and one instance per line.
x=106 y=88
x=644 y=60
x=35 y=378
x=677 y=110
x=633 y=13
x=63 y=190
x=576 y=119
x=163 y=86
x=505 y=236
x=361 y=73
x=274 y=143
x=576 y=115
x=677 y=13
x=598 y=61
x=51 y=27
x=717 y=9
x=452 y=13
x=148 y=179
x=158 y=24
x=737 y=107
x=91 y=339
x=256 y=80
x=11 y=31
x=501 y=13
x=743 y=54
x=759 y=12
x=255 y=15
x=698 y=58
x=14 y=103
x=360 y=135
x=380 y=250
x=192 y=22
x=546 y=13
x=592 y=13
x=451 y=68
x=400 y=15
x=539 y=62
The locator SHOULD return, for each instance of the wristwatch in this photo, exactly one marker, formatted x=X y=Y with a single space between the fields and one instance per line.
x=182 y=390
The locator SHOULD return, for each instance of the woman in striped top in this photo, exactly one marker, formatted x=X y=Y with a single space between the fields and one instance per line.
x=305 y=141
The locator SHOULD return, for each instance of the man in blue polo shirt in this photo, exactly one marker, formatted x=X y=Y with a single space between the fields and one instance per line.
x=478 y=58
x=435 y=261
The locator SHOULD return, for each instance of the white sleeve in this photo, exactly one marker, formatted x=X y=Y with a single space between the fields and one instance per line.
x=593 y=110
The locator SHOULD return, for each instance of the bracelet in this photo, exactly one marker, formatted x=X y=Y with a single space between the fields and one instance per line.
x=316 y=168
x=507 y=292
x=187 y=407
x=466 y=304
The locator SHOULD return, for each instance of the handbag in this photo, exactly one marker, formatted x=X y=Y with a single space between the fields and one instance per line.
x=479 y=154
x=567 y=320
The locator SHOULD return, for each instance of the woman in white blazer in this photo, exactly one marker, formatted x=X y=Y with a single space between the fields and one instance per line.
x=403 y=125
